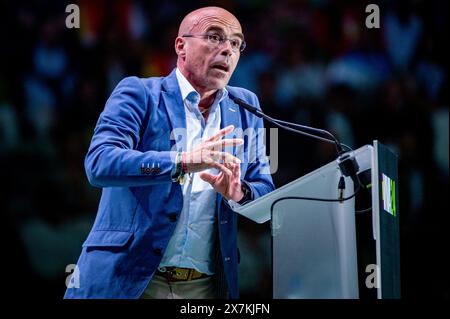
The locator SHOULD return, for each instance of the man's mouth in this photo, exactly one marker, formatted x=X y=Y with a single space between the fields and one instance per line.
x=221 y=66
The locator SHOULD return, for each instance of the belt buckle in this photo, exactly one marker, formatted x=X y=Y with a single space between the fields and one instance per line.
x=181 y=274
x=176 y=274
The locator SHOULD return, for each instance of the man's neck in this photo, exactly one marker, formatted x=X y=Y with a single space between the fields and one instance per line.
x=206 y=102
x=207 y=96
x=206 y=99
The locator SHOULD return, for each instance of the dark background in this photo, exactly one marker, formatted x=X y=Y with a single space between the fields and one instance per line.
x=313 y=62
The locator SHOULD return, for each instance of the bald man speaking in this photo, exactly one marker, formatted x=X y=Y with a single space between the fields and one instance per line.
x=171 y=167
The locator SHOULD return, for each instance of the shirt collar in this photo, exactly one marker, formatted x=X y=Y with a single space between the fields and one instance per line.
x=188 y=92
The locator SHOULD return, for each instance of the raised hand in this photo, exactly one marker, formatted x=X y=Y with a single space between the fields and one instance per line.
x=209 y=153
x=227 y=182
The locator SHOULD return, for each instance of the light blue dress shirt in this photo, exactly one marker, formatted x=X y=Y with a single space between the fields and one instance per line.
x=191 y=245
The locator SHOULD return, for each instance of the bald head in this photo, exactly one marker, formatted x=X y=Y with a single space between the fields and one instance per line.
x=196 y=20
x=204 y=61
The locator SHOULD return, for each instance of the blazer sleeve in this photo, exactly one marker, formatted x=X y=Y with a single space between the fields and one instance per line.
x=112 y=159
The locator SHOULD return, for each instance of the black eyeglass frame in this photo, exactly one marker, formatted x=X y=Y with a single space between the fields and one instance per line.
x=221 y=40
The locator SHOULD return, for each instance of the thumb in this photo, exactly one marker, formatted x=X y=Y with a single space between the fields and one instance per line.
x=208 y=178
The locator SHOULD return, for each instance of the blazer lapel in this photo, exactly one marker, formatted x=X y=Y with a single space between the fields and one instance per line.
x=230 y=115
x=173 y=103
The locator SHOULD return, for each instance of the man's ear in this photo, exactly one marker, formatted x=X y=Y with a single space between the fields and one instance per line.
x=180 y=47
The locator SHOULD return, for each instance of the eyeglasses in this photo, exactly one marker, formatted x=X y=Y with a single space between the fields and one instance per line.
x=216 y=39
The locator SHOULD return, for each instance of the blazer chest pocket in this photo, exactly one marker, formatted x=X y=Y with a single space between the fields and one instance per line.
x=107 y=238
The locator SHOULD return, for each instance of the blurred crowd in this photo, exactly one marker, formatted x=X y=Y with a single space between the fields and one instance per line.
x=313 y=62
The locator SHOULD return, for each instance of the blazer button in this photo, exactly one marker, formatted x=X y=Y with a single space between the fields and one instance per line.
x=147 y=170
x=158 y=170
x=157 y=251
x=153 y=171
x=173 y=217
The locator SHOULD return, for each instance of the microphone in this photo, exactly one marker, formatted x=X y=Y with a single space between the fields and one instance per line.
x=285 y=125
x=347 y=164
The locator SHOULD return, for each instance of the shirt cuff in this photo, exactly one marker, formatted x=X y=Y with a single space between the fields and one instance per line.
x=233 y=205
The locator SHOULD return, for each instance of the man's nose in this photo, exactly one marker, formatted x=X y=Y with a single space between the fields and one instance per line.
x=226 y=48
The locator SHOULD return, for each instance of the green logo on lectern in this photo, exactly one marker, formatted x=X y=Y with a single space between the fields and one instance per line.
x=388 y=194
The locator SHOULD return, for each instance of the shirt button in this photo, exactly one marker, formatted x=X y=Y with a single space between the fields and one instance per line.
x=227 y=258
x=223 y=222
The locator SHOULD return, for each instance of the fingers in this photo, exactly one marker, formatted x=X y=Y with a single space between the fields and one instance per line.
x=221 y=133
x=209 y=178
x=235 y=169
x=219 y=145
x=224 y=156
x=203 y=159
x=223 y=169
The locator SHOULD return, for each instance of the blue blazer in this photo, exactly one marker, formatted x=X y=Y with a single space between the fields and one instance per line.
x=130 y=159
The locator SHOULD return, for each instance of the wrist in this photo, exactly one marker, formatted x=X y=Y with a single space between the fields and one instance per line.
x=240 y=195
x=246 y=194
x=183 y=163
x=178 y=176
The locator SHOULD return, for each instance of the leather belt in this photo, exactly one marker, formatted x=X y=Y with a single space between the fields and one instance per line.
x=180 y=274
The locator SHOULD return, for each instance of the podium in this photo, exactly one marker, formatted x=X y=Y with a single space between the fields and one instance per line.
x=314 y=253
